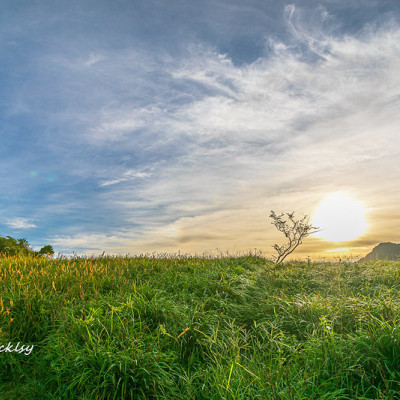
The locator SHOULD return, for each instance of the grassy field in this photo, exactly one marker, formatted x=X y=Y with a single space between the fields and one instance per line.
x=199 y=328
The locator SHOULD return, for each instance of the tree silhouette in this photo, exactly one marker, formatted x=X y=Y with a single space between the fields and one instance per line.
x=294 y=231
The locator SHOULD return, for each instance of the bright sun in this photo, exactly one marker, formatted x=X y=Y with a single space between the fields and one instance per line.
x=339 y=218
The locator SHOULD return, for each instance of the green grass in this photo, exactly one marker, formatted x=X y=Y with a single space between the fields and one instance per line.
x=199 y=328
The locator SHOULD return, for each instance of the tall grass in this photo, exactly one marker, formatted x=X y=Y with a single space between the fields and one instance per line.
x=199 y=328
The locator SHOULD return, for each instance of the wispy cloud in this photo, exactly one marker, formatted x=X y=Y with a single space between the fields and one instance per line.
x=127 y=176
x=93 y=59
x=20 y=223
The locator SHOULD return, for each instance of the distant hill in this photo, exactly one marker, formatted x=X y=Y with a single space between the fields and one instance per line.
x=384 y=251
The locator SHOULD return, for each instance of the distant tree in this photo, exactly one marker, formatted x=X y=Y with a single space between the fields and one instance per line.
x=11 y=246
x=23 y=243
x=46 y=250
x=294 y=231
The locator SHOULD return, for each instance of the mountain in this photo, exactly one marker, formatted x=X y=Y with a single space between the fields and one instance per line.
x=384 y=251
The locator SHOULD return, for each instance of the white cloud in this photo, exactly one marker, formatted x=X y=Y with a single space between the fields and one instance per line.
x=20 y=223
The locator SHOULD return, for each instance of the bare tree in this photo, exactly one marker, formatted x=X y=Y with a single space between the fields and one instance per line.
x=294 y=231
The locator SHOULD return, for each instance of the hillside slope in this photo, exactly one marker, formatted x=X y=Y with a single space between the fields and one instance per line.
x=384 y=251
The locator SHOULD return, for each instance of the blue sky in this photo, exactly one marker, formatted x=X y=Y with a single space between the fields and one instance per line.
x=140 y=126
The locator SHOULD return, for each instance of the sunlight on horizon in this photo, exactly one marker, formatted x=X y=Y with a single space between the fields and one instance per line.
x=339 y=218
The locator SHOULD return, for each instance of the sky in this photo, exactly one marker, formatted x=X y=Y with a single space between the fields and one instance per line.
x=141 y=126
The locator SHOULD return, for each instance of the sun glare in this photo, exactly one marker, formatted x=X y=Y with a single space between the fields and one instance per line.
x=339 y=218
